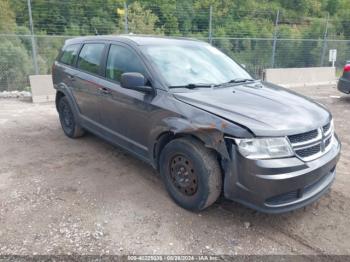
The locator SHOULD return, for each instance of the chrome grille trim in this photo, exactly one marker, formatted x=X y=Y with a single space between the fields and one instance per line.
x=329 y=130
x=324 y=141
x=326 y=128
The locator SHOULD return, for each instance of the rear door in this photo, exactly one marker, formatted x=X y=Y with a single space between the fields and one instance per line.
x=86 y=81
x=63 y=69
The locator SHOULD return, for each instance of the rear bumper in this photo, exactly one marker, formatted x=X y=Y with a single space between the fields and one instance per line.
x=344 y=85
x=279 y=185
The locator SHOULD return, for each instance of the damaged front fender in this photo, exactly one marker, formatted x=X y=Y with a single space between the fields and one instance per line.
x=208 y=134
x=210 y=131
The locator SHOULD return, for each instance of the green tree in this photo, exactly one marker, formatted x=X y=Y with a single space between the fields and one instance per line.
x=235 y=23
x=140 y=20
x=15 y=65
x=7 y=17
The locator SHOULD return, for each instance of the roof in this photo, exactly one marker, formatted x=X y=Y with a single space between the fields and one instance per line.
x=138 y=39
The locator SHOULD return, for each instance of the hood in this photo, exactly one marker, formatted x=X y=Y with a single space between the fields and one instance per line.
x=263 y=108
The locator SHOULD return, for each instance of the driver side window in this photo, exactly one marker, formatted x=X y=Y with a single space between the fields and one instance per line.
x=121 y=60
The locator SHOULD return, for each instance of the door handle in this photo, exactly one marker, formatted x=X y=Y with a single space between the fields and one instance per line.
x=71 y=77
x=104 y=90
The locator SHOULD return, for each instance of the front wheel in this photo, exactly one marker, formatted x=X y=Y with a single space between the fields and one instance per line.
x=191 y=173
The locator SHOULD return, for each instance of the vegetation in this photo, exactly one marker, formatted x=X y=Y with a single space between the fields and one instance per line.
x=244 y=29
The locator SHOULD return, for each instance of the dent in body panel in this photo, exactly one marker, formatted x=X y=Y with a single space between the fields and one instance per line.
x=209 y=133
x=179 y=118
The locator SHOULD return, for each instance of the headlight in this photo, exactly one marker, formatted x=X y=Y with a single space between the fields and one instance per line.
x=264 y=148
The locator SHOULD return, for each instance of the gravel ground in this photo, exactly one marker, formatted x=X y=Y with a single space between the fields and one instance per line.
x=84 y=196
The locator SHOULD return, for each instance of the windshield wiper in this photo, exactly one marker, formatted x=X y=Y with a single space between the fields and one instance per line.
x=233 y=81
x=192 y=86
x=241 y=80
x=238 y=80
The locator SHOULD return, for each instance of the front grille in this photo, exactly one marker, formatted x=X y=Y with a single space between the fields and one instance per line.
x=309 y=151
x=328 y=141
x=312 y=186
x=298 y=193
x=312 y=144
x=326 y=127
x=304 y=137
x=283 y=198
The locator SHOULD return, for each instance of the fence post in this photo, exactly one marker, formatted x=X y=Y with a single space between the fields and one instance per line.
x=126 y=18
x=210 y=24
x=324 y=41
x=35 y=62
x=275 y=40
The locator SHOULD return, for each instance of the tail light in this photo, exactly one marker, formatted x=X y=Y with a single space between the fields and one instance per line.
x=347 y=68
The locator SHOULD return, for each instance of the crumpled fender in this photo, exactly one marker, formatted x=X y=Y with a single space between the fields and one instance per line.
x=210 y=129
x=209 y=133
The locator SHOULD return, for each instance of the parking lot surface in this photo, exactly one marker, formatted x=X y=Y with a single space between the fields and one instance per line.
x=84 y=196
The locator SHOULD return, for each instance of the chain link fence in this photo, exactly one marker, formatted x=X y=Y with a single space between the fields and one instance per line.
x=32 y=45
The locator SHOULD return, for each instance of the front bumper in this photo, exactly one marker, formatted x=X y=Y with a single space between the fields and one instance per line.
x=279 y=185
x=344 y=85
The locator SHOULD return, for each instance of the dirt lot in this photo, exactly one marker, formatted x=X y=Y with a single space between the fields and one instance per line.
x=61 y=196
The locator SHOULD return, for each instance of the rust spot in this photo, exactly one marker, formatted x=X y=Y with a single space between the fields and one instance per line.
x=212 y=125
x=224 y=124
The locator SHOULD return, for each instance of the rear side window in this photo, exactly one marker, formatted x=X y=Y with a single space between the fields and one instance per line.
x=90 y=57
x=121 y=60
x=69 y=54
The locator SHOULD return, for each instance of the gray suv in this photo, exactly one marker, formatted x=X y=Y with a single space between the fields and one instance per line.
x=199 y=118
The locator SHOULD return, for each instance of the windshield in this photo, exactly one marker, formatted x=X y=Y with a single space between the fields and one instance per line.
x=182 y=65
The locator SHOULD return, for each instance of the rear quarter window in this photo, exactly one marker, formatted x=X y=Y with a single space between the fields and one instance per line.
x=69 y=54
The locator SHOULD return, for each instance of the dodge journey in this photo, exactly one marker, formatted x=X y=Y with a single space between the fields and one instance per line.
x=199 y=118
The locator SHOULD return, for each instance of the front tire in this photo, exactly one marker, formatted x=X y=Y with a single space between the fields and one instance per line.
x=68 y=120
x=191 y=173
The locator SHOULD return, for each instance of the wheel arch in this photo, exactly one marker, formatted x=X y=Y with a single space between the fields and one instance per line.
x=63 y=91
x=59 y=95
x=207 y=141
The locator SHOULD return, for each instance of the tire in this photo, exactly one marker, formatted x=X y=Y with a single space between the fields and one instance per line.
x=68 y=120
x=191 y=173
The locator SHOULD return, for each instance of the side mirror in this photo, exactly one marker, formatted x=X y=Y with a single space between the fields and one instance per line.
x=135 y=81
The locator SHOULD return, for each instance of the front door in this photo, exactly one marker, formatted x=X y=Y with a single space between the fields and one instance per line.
x=126 y=113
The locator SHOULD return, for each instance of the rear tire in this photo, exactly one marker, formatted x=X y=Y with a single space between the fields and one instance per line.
x=191 y=173
x=68 y=120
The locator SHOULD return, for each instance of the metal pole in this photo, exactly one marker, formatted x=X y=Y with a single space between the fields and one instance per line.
x=35 y=62
x=126 y=18
x=324 y=41
x=210 y=24
x=275 y=40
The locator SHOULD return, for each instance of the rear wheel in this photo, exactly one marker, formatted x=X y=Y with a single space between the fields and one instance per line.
x=191 y=173
x=67 y=119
